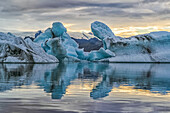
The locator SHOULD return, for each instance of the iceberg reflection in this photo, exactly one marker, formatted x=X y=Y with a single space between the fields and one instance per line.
x=55 y=78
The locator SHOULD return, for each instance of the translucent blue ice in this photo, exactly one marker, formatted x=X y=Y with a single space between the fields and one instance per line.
x=58 y=43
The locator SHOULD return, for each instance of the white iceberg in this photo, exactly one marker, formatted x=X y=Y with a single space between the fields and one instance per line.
x=152 y=47
x=16 y=49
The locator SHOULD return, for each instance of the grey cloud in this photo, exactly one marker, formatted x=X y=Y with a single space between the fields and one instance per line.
x=47 y=11
x=152 y=1
x=58 y=4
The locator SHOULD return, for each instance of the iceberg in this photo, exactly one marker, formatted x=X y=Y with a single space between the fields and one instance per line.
x=152 y=47
x=55 y=45
x=56 y=41
x=15 y=49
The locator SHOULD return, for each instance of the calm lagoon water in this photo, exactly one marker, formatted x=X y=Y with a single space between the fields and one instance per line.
x=84 y=87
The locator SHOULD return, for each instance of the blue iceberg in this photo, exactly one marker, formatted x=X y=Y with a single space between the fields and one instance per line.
x=55 y=41
x=152 y=47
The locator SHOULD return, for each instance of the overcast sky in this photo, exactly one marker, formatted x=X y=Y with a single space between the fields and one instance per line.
x=125 y=17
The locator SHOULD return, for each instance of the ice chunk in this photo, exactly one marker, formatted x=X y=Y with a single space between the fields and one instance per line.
x=41 y=55
x=58 y=29
x=103 y=32
x=152 y=47
x=100 y=54
x=54 y=47
x=142 y=48
x=38 y=33
x=58 y=43
x=15 y=49
x=49 y=32
x=44 y=36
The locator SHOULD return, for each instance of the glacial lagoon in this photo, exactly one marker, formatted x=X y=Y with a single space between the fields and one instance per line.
x=84 y=87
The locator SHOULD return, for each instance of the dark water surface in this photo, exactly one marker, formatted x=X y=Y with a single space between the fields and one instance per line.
x=84 y=87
